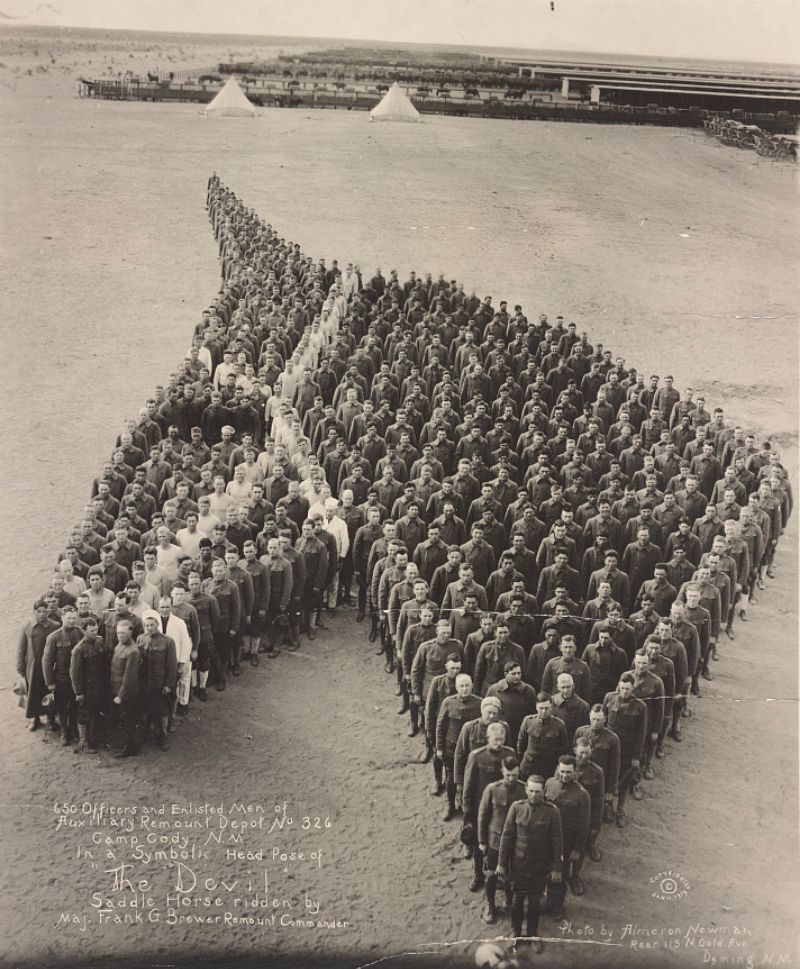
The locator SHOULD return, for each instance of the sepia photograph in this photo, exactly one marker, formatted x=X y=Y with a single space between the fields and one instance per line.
x=399 y=565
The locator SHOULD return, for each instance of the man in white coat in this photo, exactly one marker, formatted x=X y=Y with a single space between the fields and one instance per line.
x=174 y=627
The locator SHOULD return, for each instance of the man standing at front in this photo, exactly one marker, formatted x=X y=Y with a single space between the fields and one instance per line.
x=531 y=848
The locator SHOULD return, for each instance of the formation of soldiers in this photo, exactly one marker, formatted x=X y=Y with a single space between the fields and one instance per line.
x=545 y=546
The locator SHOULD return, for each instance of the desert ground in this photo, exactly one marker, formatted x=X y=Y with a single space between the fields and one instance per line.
x=668 y=248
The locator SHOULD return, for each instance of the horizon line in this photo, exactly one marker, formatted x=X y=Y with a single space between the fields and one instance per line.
x=298 y=40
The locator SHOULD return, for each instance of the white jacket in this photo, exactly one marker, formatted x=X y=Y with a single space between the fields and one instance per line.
x=178 y=632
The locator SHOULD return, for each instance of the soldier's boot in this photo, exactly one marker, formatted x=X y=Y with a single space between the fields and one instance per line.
x=237 y=658
x=705 y=672
x=388 y=652
x=66 y=734
x=517 y=909
x=648 y=773
x=662 y=733
x=608 y=811
x=255 y=649
x=478 y=877
x=695 y=688
x=373 y=629
x=247 y=647
x=163 y=733
x=594 y=851
x=450 y=810
x=402 y=686
x=438 y=784
x=91 y=738
x=575 y=881
x=489 y=913
x=413 y=728
x=53 y=725
x=82 y=743
x=621 y=817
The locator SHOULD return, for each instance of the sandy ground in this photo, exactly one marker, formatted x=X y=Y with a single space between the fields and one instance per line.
x=665 y=244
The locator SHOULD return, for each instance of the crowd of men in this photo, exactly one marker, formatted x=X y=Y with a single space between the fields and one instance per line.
x=545 y=547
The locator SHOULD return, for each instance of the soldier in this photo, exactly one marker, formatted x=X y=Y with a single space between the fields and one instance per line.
x=492 y=812
x=29 y=664
x=605 y=754
x=415 y=635
x=259 y=576
x=531 y=848
x=230 y=608
x=441 y=688
x=542 y=740
x=159 y=674
x=627 y=717
x=56 y=664
x=541 y=654
x=315 y=556
x=482 y=768
x=591 y=776
x=575 y=807
x=472 y=736
x=493 y=656
x=664 y=669
x=517 y=699
x=568 y=706
x=649 y=688
x=125 y=685
x=606 y=662
x=88 y=672
x=431 y=659
x=568 y=663
x=455 y=711
x=281 y=580
x=208 y=618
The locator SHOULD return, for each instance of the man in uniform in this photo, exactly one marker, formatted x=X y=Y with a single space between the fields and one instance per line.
x=88 y=672
x=492 y=812
x=575 y=807
x=649 y=688
x=531 y=848
x=605 y=754
x=482 y=768
x=229 y=604
x=456 y=711
x=627 y=717
x=125 y=685
x=56 y=665
x=159 y=673
x=568 y=706
x=592 y=778
x=517 y=699
x=542 y=740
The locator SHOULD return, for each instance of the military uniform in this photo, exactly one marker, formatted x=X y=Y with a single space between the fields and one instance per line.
x=492 y=813
x=454 y=713
x=541 y=742
x=531 y=846
x=482 y=768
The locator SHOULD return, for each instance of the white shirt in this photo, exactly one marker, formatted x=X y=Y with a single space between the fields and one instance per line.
x=167 y=559
x=190 y=541
x=205 y=523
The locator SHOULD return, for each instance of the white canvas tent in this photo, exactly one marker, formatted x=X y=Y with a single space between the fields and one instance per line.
x=231 y=102
x=395 y=106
